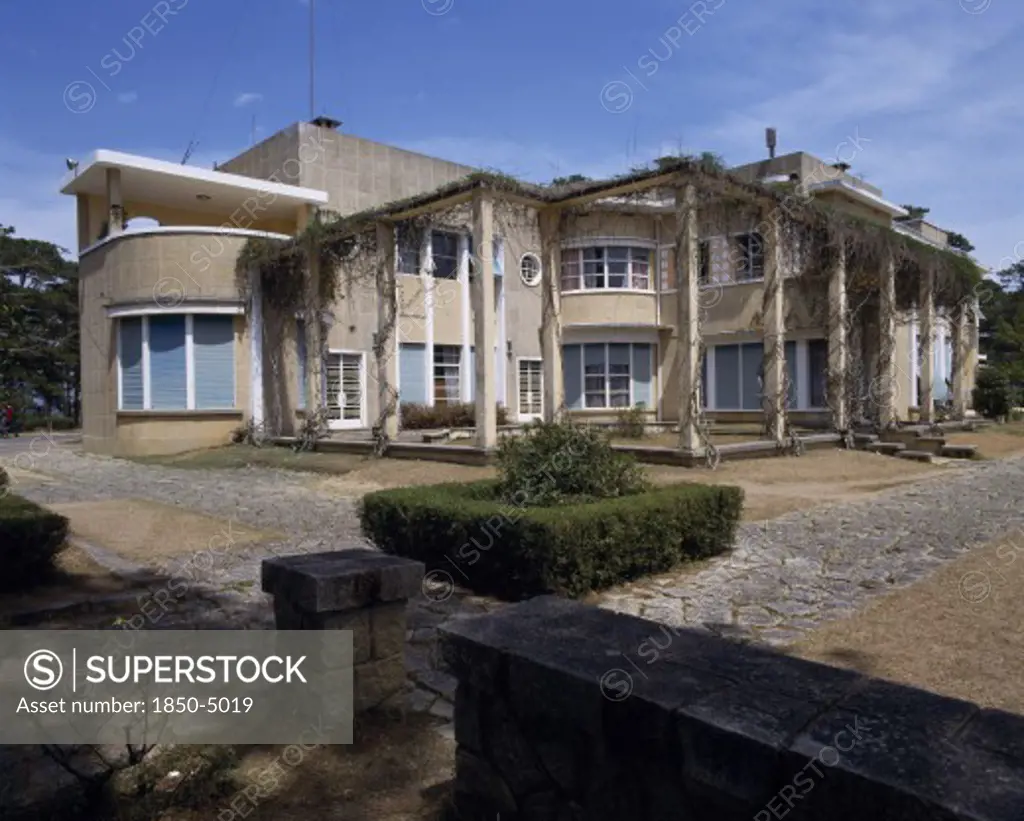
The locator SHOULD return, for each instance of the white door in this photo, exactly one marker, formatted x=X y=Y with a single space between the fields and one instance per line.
x=345 y=390
x=531 y=382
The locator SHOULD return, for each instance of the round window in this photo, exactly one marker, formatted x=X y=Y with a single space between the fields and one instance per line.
x=529 y=269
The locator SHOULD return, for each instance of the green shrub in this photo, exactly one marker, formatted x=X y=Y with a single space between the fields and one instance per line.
x=33 y=421
x=427 y=417
x=631 y=423
x=561 y=463
x=515 y=550
x=994 y=393
x=30 y=539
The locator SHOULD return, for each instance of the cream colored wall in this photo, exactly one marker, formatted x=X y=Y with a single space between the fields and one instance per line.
x=134 y=270
x=617 y=308
x=841 y=202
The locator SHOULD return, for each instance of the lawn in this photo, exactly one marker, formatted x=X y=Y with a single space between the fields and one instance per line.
x=993 y=441
x=956 y=632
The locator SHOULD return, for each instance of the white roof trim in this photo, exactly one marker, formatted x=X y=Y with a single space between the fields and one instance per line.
x=182 y=229
x=862 y=195
x=117 y=159
x=186 y=307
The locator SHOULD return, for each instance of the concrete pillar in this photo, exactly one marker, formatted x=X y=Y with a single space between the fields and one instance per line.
x=926 y=350
x=384 y=347
x=885 y=382
x=962 y=325
x=687 y=252
x=314 y=336
x=256 y=347
x=359 y=590
x=551 y=317
x=774 y=326
x=484 y=332
x=115 y=204
x=837 y=343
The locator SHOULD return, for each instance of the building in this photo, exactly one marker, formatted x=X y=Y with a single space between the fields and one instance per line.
x=177 y=353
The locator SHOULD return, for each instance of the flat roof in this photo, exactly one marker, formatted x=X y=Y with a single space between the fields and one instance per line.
x=144 y=179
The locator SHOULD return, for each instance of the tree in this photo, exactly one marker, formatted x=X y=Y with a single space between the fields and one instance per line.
x=39 y=357
x=570 y=179
x=915 y=212
x=959 y=241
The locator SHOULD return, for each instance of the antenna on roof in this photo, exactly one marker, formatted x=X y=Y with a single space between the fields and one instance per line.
x=312 y=58
x=188 y=151
x=770 y=138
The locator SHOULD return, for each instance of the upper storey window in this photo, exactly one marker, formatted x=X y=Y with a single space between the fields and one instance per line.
x=603 y=267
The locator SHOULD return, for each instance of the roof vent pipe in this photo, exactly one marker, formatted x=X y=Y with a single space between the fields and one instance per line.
x=770 y=138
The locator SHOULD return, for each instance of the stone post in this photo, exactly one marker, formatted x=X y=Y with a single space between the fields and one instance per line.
x=115 y=204
x=484 y=333
x=551 y=317
x=837 y=350
x=885 y=384
x=687 y=253
x=962 y=324
x=359 y=590
x=926 y=352
x=384 y=349
x=774 y=325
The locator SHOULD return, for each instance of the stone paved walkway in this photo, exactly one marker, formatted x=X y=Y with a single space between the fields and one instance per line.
x=783 y=578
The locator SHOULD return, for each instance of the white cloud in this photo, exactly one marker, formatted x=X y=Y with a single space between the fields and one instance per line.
x=247 y=98
x=127 y=97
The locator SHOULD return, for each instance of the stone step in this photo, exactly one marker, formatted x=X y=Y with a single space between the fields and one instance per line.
x=931 y=444
x=886 y=448
x=959 y=451
x=862 y=439
x=916 y=455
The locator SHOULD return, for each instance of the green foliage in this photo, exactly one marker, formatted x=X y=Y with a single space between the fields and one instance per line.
x=563 y=463
x=995 y=394
x=570 y=179
x=39 y=347
x=959 y=241
x=631 y=423
x=30 y=539
x=914 y=212
x=425 y=417
x=512 y=550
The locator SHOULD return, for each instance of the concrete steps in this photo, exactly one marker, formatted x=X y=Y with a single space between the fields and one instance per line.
x=916 y=455
x=885 y=448
x=959 y=451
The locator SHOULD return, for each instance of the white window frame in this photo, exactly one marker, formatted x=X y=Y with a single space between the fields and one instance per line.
x=534 y=281
x=190 y=364
x=736 y=274
x=519 y=387
x=341 y=424
x=607 y=375
x=635 y=247
x=458 y=366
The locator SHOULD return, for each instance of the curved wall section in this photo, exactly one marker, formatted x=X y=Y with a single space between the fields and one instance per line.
x=163 y=271
x=585 y=308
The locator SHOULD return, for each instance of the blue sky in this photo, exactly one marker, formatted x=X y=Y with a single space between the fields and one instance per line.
x=925 y=98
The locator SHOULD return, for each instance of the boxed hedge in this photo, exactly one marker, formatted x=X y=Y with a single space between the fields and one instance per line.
x=498 y=548
x=30 y=539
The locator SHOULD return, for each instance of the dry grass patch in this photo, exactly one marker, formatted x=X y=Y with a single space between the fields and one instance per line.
x=148 y=532
x=957 y=632
x=782 y=484
x=382 y=474
x=993 y=441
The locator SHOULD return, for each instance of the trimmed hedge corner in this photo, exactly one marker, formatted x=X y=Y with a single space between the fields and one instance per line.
x=571 y=549
x=30 y=539
x=432 y=417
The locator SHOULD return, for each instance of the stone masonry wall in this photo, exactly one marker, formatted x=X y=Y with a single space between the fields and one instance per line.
x=554 y=720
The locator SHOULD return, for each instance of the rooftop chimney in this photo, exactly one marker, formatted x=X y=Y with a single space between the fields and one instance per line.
x=326 y=122
x=770 y=140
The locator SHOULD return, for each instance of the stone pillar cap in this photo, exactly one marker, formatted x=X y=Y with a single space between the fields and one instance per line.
x=341 y=579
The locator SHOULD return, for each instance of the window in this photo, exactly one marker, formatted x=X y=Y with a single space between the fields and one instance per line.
x=817 y=356
x=748 y=257
x=529 y=269
x=738 y=376
x=531 y=380
x=607 y=375
x=704 y=262
x=176 y=362
x=444 y=247
x=447 y=364
x=410 y=246
x=613 y=266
